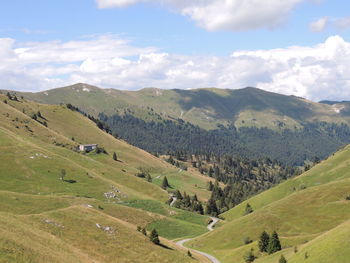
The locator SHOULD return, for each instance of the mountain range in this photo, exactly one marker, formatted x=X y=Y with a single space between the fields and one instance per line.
x=249 y=122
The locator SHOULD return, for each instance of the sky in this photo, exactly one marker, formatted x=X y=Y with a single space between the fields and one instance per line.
x=293 y=47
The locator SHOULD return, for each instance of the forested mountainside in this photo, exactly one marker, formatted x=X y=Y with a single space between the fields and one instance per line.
x=240 y=178
x=292 y=147
x=247 y=122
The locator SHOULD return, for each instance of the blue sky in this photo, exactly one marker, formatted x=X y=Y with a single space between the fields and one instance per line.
x=150 y=29
x=152 y=25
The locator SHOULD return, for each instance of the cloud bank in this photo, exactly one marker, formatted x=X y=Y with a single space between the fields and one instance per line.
x=316 y=72
x=230 y=15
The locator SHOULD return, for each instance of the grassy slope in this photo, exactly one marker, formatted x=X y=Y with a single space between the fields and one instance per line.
x=62 y=121
x=74 y=237
x=30 y=190
x=301 y=209
x=203 y=107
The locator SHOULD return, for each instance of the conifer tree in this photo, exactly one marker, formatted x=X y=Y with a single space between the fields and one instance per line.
x=274 y=244
x=264 y=241
x=210 y=186
x=115 y=158
x=144 y=232
x=154 y=237
x=212 y=209
x=165 y=183
x=248 y=209
x=178 y=195
x=189 y=253
x=200 y=209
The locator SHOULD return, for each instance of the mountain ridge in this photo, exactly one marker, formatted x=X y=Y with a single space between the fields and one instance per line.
x=249 y=122
x=199 y=106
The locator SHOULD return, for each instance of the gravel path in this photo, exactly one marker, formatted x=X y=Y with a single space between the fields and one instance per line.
x=213 y=223
x=210 y=228
x=173 y=202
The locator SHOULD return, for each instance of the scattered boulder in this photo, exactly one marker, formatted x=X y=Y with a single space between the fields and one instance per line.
x=50 y=222
x=107 y=229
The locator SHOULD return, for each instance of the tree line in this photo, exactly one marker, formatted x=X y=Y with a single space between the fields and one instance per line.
x=291 y=147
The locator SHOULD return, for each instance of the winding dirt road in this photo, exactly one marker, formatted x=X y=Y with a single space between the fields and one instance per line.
x=210 y=228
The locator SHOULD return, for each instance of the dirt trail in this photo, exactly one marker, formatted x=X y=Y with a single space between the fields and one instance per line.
x=210 y=228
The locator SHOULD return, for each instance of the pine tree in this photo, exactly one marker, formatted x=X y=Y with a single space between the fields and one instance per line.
x=189 y=253
x=165 y=183
x=274 y=244
x=154 y=237
x=212 y=209
x=115 y=158
x=282 y=259
x=210 y=186
x=178 y=195
x=248 y=209
x=144 y=232
x=264 y=241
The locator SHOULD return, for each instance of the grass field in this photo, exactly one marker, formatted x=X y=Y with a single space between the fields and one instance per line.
x=301 y=210
x=46 y=219
x=176 y=223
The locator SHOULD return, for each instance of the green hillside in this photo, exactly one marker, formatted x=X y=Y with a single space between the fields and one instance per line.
x=309 y=212
x=248 y=122
x=85 y=215
x=203 y=107
x=90 y=212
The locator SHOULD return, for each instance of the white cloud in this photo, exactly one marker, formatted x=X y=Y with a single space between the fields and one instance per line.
x=317 y=72
x=231 y=15
x=340 y=23
x=319 y=25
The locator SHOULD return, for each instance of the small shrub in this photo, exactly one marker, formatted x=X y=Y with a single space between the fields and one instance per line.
x=282 y=259
x=303 y=187
x=248 y=209
x=249 y=257
x=295 y=249
x=247 y=240
x=100 y=150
